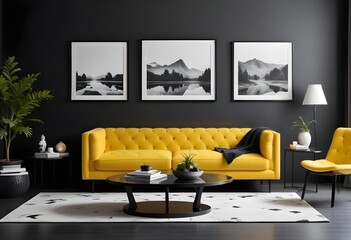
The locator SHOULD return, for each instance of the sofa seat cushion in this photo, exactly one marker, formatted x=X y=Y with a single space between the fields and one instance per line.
x=212 y=160
x=130 y=160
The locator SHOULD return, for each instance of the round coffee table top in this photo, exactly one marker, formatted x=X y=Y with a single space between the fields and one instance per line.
x=207 y=179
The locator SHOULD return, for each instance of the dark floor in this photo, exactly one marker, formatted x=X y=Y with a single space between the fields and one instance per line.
x=338 y=228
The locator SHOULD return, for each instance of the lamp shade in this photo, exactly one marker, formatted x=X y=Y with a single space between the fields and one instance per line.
x=314 y=95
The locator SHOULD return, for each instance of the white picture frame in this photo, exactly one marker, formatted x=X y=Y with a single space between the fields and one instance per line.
x=178 y=70
x=262 y=71
x=99 y=71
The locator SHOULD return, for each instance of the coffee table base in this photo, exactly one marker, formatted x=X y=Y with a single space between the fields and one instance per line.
x=159 y=209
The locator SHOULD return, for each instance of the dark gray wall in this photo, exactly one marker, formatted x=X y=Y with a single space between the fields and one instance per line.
x=1 y=41
x=1 y=37
x=39 y=33
x=348 y=69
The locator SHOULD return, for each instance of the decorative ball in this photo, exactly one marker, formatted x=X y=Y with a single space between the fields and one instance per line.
x=60 y=147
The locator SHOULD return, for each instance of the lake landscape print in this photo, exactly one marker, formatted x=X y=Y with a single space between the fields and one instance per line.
x=99 y=71
x=262 y=71
x=178 y=70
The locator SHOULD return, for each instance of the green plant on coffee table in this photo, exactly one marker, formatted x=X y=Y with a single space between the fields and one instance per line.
x=303 y=125
x=188 y=165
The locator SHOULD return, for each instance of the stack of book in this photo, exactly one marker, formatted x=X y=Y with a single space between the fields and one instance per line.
x=46 y=155
x=12 y=170
x=50 y=155
x=298 y=147
x=146 y=176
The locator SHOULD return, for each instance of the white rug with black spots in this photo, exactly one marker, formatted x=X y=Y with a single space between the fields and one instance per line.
x=108 y=207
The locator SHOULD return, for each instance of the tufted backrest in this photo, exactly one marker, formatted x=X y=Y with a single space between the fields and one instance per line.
x=172 y=139
x=340 y=148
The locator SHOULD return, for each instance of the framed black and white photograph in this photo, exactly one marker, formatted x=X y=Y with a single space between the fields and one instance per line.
x=262 y=71
x=178 y=70
x=99 y=71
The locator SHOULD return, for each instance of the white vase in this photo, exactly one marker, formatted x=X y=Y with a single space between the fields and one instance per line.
x=304 y=138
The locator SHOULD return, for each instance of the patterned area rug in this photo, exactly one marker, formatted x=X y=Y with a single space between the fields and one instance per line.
x=107 y=207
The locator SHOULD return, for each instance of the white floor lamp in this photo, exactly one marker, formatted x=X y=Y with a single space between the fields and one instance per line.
x=314 y=96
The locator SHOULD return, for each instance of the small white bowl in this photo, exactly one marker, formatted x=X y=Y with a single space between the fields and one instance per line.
x=187 y=175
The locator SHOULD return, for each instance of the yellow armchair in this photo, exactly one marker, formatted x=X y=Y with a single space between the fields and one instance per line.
x=337 y=161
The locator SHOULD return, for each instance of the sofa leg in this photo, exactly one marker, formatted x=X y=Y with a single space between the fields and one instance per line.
x=269 y=185
x=93 y=186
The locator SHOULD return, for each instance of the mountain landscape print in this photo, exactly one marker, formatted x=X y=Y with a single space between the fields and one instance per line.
x=259 y=78
x=262 y=71
x=177 y=79
x=175 y=71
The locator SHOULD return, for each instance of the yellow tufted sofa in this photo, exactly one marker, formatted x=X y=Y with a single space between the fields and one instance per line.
x=109 y=151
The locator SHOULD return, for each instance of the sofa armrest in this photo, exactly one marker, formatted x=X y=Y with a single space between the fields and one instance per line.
x=93 y=145
x=270 y=149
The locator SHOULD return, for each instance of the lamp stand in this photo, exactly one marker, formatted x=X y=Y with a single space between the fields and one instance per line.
x=315 y=123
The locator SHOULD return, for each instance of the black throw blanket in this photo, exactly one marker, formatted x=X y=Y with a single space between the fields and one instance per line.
x=249 y=144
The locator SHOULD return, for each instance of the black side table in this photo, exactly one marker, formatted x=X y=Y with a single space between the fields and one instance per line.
x=53 y=160
x=313 y=151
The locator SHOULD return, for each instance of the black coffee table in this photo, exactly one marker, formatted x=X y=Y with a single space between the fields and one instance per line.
x=169 y=209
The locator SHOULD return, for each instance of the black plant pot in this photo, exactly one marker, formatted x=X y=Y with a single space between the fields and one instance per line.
x=13 y=186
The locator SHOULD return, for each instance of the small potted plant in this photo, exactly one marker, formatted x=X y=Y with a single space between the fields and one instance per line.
x=18 y=99
x=304 y=136
x=187 y=169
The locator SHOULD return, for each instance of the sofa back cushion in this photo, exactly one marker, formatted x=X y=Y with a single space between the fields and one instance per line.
x=172 y=139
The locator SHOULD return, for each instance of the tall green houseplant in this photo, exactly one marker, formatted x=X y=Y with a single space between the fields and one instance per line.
x=17 y=102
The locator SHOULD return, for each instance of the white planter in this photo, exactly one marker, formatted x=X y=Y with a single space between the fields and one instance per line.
x=304 y=138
